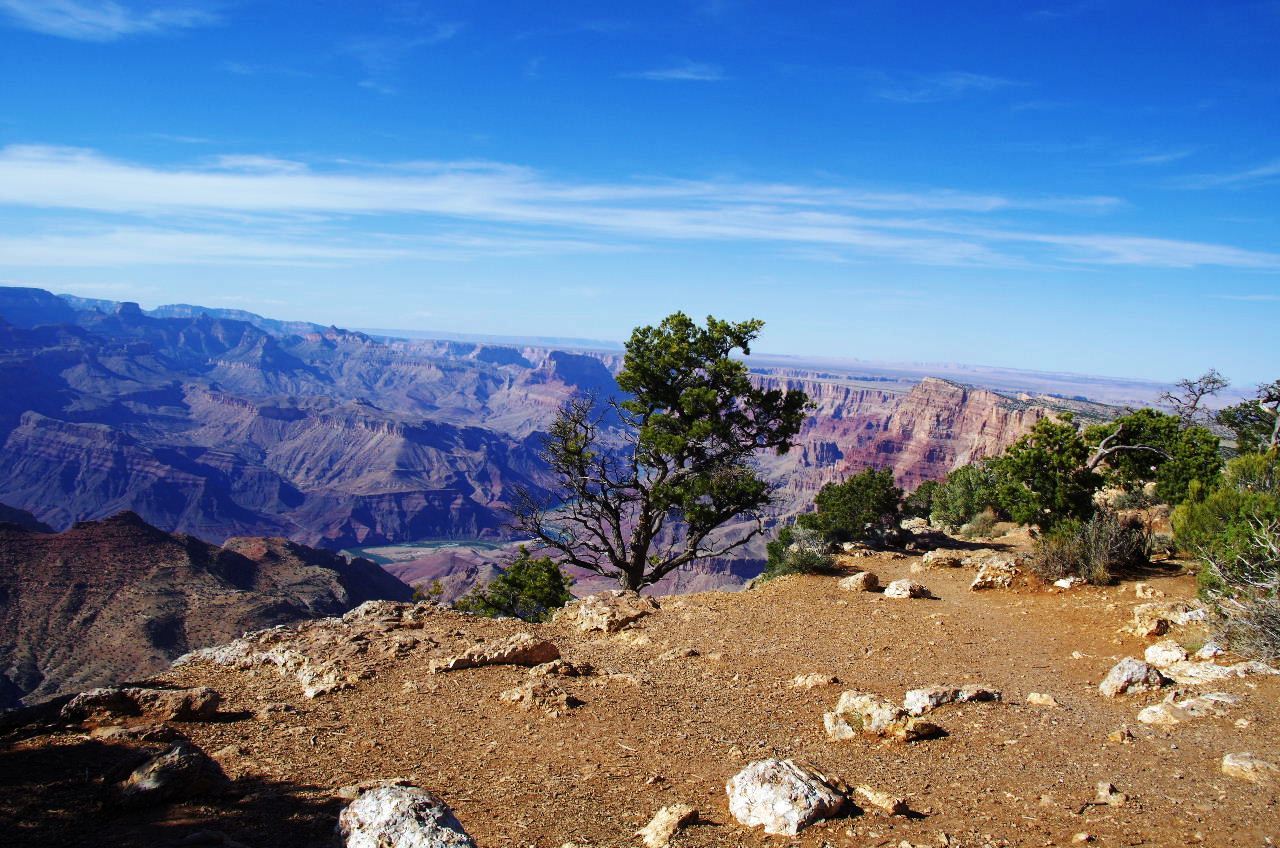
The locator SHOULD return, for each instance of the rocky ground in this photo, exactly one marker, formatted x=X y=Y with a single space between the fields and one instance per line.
x=665 y=711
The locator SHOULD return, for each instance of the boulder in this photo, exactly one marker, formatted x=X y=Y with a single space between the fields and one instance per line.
x=781 y=797
x=1171 y=711
x=994 y=574
x=941 y=558
x=864 y=714
x=915 y=525
x=917 y=702
x=400 y=817
x=904 y=588
x=1131 y=675
x=198 y=704
x=178 y=772
x=520 y=649
x=863 y=581
x=607 y=612
x=1164 y=654
x=1245 y=766
x=665 y=824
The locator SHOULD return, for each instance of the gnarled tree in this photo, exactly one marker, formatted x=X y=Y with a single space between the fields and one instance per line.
x=648 y=482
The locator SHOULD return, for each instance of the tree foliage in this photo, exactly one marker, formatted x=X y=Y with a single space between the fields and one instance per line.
x=1045 y=475
x=861 y=507
x=1255 y=422
x=529 y=589
x=680 y=465
x=919 y=504
x=1148 y=446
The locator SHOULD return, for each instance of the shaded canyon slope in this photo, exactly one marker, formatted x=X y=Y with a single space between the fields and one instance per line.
x=114 y=600
x=222 y=424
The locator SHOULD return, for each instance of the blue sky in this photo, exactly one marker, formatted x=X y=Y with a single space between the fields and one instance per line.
x=1077 y=186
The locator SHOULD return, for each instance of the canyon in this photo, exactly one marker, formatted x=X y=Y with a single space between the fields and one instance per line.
x=221 y=424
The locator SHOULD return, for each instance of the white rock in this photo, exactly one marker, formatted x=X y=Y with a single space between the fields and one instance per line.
x=1246 y=766
x=1040 y=699
x=1209 y=650
x=920 y=701
x=813 y=681
x=864 y=714
x=400 y=817
x=665 y=823
x=1146 y=591
x=1172 y=711
x=1190 y=672
x=781 y=797
x=904 y=588
x=1130 y=675
x=1164 y=654
x=994 y=574
x=1069 y=582
x=863 y=581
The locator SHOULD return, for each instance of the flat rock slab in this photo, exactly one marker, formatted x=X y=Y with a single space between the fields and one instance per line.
x=520 y=649
x=607 y=612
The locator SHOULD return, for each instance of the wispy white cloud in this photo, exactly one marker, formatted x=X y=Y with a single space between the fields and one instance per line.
x=683 y=71
x=381 y=56
x=1164 y=157
x=102 y=20
x=935 y=87
x=1265 y=174
x=267 y=209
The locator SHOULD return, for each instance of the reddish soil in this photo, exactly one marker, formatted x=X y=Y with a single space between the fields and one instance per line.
x=1005 y=774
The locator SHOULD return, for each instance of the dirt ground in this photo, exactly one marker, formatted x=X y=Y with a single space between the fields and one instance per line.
x=652 y=732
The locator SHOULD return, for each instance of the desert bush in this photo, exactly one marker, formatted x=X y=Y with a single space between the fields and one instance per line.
x=529 y=589
x=967 y=491
x=861 y=507
x=1244 y=589
x=980 y=525
x=1094 y=548
x=797 y=550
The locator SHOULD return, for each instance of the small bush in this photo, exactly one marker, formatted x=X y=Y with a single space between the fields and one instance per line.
x=1094 y=549
x=1244 y=589
x=967 y=491
x=980 y=525
x=863 y=507
x=797 y=550
x=529 y=589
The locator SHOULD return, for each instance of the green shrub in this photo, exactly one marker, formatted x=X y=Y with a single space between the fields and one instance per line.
x=529 y=589
x=1094 y=549
x=919 y=503
x=967 y=491
x=1244 y=590
x=862 y=507
x=1045 y=480
x=797 y=550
